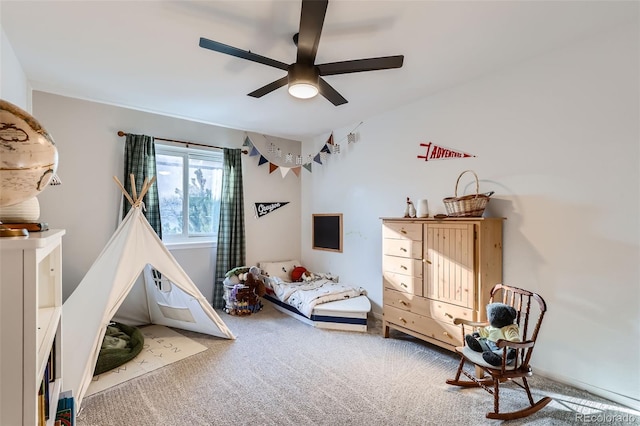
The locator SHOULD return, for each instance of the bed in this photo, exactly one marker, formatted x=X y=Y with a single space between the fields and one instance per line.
x=321 y=301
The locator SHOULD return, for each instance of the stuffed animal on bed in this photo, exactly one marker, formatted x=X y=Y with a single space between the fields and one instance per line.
x=297 y=273
x=501 y=319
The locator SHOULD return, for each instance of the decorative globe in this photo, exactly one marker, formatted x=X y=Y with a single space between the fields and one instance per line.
x=28 y=155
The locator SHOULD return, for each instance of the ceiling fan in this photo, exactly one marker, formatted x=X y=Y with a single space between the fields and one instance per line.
x=304 y=76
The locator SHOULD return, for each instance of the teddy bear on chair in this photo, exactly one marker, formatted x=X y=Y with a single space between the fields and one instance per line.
x=501 y=319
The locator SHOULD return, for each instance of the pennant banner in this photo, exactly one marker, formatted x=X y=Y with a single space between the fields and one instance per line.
x=330 y=147
x=436 y=152
x=265 y=208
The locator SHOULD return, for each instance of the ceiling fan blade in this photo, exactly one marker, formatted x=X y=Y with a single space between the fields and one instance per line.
x=359 y=65
x=258 y=93
x=311 y=21
x=330 y=93
x=239 y=53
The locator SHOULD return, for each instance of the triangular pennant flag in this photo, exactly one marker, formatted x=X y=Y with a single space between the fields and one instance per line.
x=296 y=171
x=330 y=140
x=263 y=209
x=262 y=160
x=284 y=171
x=317 y=158
x=254 y=152
x=247 y=142
x=436 y=152
x=326 y=149
x=307 y=166
x=272 y=167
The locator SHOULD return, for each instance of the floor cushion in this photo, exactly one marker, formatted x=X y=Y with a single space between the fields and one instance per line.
x=121 y=344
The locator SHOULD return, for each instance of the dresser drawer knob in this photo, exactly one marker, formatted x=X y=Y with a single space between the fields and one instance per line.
x=403 y=249
x=402 y=319
x=404 y=267
x=426 y=261
x=446 y=334
x=404 y=285
x=448 y=315
x=403 y=231
x=402 y=302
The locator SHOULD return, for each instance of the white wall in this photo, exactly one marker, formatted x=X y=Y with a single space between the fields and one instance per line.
x=557 y=138
x=14 y=87
x=87 y=203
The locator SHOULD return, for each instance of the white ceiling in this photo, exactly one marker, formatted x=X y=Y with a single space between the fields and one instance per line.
x=145 y=54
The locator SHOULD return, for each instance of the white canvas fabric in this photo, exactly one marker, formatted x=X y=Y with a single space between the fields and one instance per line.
x=94 y=303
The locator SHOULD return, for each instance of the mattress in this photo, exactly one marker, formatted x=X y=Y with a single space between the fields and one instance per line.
x=348 y=315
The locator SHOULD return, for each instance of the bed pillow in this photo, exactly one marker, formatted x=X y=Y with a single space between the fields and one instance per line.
x=281 y=269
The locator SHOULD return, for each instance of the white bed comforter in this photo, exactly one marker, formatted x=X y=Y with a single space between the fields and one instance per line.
x=304 y=296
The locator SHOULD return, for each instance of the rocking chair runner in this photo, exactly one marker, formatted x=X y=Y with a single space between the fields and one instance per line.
x=527 y=316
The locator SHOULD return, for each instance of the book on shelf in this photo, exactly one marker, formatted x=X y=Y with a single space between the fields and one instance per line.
x=46 y=381
x=29 y=226
x=51 y=362
x=66 y=409
x=41 y=419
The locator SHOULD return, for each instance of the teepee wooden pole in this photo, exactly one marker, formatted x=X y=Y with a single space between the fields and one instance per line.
x=133 y=187
x=124 y=191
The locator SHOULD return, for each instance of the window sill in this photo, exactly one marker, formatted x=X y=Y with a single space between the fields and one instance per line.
x=177 y=245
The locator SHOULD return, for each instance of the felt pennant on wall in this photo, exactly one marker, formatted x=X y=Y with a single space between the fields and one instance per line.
x=437 y=152
x=264 y=208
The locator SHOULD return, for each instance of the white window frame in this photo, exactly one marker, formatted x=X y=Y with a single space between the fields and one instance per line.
x=186 y=241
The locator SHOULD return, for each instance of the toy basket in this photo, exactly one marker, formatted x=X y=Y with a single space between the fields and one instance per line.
x=472 y=205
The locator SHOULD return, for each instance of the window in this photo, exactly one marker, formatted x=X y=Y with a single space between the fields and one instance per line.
x=189 y=188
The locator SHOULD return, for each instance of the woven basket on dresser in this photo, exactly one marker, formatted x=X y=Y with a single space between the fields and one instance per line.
x=472 y=205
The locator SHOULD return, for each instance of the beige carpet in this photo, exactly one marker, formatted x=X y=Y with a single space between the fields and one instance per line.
x=280 y=371
x=162 y=346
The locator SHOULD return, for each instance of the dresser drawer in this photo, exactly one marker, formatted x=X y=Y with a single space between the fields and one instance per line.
x=402 y=248
x=402 y=265
x=447 y=312
x=442 y=331
x=404 y=283
x=406 y=301
x=402 y=230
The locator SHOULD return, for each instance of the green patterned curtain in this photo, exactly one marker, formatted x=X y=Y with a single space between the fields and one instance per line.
x=231 y=241
x=140 y=159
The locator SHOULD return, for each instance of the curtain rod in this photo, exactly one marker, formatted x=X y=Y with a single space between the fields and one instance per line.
x=121 y=134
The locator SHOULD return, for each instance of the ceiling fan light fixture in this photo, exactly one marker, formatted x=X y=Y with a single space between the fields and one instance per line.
x=303 y=90
x=303 y=81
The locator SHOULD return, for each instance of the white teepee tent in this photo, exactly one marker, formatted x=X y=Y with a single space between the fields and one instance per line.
x=90 y=308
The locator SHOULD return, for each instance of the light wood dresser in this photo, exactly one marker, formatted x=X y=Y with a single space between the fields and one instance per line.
x=435 y=270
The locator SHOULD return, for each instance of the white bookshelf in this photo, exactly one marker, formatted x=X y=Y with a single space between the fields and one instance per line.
x=30 y=324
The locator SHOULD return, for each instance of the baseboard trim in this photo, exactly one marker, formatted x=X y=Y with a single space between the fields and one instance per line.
x=612 y=396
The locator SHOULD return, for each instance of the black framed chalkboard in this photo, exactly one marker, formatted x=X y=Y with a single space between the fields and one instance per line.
x=327 y=231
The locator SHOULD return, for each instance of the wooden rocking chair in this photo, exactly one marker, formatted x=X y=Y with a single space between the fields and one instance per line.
x=528 y=319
